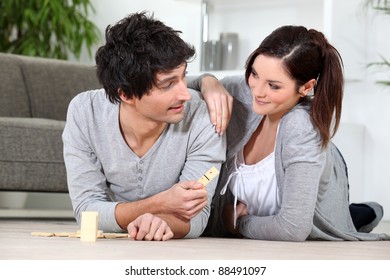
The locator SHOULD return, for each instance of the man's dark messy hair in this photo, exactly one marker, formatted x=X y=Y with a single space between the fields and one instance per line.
x=138 y=48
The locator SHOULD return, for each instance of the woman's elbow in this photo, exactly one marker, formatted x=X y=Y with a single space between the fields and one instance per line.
x=298 y=234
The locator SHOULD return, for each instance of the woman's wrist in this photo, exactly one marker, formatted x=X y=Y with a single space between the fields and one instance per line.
x=208 y=80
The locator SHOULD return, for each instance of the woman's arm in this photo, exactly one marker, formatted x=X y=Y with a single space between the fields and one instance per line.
x=299 y=162
x=218 y=99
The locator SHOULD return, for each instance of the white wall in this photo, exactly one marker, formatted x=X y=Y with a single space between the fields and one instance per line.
x=368 y=104
x=180 y=15
x=365 y=103
x=253 y=20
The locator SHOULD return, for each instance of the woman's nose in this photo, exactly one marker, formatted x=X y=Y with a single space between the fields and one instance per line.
x=257 y=89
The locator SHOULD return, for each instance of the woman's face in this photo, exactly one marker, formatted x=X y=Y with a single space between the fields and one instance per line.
x=274 y=92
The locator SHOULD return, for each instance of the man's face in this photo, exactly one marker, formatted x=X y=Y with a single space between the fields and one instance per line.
x=165 y=101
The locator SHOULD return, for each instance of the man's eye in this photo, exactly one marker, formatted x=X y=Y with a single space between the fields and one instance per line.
x=167 y=86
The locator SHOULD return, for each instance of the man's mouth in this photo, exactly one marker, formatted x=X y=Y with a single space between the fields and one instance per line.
x=177 y=108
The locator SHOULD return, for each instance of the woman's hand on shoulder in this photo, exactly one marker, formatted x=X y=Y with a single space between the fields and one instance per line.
x=219 y=103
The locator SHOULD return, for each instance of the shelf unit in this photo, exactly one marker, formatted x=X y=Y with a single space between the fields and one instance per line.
x=343 y=23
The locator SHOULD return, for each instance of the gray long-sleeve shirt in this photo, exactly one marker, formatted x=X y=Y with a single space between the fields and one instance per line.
x=103 y=171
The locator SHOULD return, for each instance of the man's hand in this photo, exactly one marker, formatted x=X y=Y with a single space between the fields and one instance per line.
x=184 y=199
x=149 y=227
x=219 y=103
x=177 y=206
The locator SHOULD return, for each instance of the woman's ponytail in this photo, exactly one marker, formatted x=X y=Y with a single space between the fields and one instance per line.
x=328 y=93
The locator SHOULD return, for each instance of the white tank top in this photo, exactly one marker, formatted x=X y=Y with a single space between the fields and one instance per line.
x=255 y=185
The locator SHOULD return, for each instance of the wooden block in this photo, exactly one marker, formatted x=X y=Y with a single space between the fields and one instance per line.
x=78 y=234
x=40 y=233
x=74 y=235
x=63 y=234
x=89 y=226
x=115 y=235
x=208 y=176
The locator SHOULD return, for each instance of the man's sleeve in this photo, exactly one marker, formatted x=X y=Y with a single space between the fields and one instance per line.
x=86 y=181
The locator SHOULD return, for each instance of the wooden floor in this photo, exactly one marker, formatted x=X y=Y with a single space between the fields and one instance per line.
x=16 y=243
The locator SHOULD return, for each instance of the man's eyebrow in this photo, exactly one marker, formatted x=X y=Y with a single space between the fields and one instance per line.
x=172 y=77
x=167 y=79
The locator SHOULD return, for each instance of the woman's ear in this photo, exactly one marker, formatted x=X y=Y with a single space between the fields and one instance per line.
x=307 y=88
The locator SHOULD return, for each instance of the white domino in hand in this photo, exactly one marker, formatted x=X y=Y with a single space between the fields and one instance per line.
x=208 y=176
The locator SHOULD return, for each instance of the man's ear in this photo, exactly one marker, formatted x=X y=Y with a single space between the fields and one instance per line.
x=124 y=98
x=307 y=88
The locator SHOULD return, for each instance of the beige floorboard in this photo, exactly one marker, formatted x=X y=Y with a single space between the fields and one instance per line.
x=16 y=243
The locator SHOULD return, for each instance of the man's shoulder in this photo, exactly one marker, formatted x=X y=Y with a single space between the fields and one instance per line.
x=196 y=101
x=196 y=114
x=91 y=99
x=195 y=97
x=90 y=96
x=90 y=104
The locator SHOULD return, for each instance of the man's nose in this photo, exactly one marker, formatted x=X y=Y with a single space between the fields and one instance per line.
x=183 y=92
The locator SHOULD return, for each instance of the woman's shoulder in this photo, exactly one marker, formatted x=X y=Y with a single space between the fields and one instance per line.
x=298 y=139
x=298 y=118
x=296 y=127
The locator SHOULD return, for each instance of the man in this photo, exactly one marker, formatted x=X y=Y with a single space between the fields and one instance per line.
x=135 y=149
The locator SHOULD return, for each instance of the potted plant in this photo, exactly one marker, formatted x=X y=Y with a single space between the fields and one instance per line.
x=384 y=7
x=380 y=5
x=47 y=28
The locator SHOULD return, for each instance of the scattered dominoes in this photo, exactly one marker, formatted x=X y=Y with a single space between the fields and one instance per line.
x=77 y=234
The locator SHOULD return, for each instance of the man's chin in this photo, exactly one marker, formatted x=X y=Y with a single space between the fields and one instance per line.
x=175 y=119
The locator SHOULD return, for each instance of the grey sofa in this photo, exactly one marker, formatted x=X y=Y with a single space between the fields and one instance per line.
x=34 y=96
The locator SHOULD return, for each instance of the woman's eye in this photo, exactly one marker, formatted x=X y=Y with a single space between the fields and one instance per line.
x=274 y=87
x=254 y=74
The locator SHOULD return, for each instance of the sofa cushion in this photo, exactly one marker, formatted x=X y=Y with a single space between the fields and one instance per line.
x=51 y=84
x=30 y=148
x=33 y=176
x=31 y=140
x=13 y=95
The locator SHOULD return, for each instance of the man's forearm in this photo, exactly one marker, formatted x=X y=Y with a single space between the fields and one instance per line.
x=179 y=226
x=126 y=212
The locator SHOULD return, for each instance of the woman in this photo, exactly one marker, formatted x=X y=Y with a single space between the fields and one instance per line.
x=284 y=179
